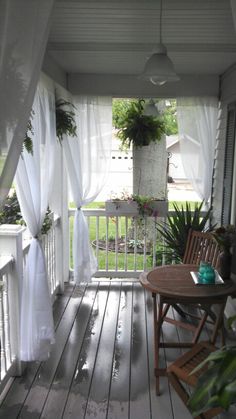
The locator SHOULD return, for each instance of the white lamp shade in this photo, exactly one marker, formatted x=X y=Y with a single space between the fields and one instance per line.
x=159 y=68
x=151 y=109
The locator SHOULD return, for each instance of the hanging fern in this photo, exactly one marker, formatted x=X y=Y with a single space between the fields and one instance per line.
x=28 y=143
x=65 y=119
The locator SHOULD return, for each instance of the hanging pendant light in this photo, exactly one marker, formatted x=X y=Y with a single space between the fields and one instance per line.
x=159 y=68
x=151 y=108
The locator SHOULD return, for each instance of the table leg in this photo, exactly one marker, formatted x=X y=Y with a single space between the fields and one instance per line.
x=218 y=323
x=157 y=322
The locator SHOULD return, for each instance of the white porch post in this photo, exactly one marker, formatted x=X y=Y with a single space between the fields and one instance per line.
x=11 y=244
x=59 y=204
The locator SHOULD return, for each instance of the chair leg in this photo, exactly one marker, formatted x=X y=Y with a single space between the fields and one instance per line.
x=157 y=320
x=200 y=327
x=179 y=388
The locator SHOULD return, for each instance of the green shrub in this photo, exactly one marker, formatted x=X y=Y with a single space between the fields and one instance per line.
x=175 y=229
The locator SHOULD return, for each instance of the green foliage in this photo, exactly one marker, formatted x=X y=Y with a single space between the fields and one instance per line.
x=170 y=118
x=175 y=229
x=217 y=385
x=121 y=106
x=65 y=119
x=119 y=109
x=11 y=214
x=136 y=128
x=145 y=206
x=28 y=143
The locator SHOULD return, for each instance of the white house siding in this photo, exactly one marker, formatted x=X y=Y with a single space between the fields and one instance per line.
x=176 y=170
x=218 y=170
x=228 y=95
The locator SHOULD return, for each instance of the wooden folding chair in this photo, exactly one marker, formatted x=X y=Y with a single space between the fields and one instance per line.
x=179 y=372
x=200 y=246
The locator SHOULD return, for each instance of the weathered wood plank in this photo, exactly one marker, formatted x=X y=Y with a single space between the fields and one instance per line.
x=99 y=391
x=103 y=357
x=172 y=333
x=120 y=383
x=17 y=394
x=79 y=391
x=38 y=392
x=139 y=377
x=61 y=302
x=160 y=405
x=59 y=389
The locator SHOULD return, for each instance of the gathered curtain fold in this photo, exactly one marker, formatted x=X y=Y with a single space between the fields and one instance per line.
x=88 y=159
x=233 y=9
x=197 y=124
x=34 y=178
x=24 y=28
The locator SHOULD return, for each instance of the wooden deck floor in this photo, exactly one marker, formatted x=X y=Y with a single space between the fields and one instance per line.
x=102 y=363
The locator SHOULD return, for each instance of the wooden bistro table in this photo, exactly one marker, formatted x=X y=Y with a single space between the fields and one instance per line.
x=174 y=285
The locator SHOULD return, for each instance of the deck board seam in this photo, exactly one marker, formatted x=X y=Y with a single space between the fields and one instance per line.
x=131 y=345
x=148 y=363
x=114 y=345
x=49 y=387
x=68 y=337
x=39 y=365
x=89 y=318
x=95 y=360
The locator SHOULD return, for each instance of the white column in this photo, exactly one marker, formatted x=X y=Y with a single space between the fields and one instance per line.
x=59 y=204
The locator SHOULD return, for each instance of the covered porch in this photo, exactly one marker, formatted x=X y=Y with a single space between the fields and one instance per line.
x=102 y=362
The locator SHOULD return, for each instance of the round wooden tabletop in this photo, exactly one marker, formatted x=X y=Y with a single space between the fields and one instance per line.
x=176 y=281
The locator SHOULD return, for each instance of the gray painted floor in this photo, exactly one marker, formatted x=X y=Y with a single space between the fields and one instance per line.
x=102 y=363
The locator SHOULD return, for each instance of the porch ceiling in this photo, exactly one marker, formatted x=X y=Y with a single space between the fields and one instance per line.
x=115 y=37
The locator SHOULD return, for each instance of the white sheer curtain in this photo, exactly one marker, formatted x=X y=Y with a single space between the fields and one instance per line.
x=24 y=27
x=88 y=158
x=197 y=123
x=33 y=182
x=233 y=8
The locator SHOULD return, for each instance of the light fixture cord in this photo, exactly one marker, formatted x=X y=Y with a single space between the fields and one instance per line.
x=160 y=22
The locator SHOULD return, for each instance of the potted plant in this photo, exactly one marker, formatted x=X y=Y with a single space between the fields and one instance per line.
x=216 y=386
x=175 y=230
x=65 y=119
x=139 y=129
x=225 y=236
x=144 y=133
x=137 y=205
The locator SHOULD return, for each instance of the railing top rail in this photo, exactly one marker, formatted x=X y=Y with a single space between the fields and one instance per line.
x=103 y=212
x=5 y=263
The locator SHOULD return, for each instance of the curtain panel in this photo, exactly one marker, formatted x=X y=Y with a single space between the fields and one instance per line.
x=233 y=8
x=197 y=123
x=88 y=160
x=24 y=28
x=34 y=178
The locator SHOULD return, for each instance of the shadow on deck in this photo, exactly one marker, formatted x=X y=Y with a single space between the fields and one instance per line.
x=102 y=363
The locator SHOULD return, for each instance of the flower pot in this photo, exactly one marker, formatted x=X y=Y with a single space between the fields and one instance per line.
x=113 y=207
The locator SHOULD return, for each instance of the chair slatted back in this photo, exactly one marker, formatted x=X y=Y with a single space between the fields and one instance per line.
x=201 y=247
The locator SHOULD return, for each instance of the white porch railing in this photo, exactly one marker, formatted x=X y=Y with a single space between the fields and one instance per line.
x=14 y=245
x=8 y=361
x=135 y=242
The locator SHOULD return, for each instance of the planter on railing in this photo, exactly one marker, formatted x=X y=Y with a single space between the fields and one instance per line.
x=130 y=207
